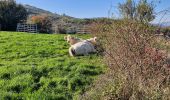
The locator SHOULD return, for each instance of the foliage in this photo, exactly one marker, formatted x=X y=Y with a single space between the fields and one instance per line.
x=62 y=29
x=38 y=66
x=142 y=11
x=128 y=9
x=44 y=23
x=165 y=31
x=11 y=14
x=145 y=11
x=138 y=67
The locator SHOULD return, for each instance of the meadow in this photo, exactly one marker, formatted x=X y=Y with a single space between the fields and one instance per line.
x=38 y=66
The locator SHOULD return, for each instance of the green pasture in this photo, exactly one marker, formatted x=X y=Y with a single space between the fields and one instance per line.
x=38 y=67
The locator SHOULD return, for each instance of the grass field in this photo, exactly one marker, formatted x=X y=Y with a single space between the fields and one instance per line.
x=38 y=66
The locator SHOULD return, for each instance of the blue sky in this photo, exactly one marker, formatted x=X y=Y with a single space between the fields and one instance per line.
x=86 y=8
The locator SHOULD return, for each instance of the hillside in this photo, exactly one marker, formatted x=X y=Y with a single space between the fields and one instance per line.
x=68 y=19
x=38 y=66
x=36 y=11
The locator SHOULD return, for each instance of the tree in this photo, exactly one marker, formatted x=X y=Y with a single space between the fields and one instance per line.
x=128 y=9
x=142 y=11
x=11 y=14
x=44 y=23
x=145 y=11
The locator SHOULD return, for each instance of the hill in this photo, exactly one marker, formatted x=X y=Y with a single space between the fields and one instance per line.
x=162 y=24
x=38 y=66
x=36 y=11
x=165 y=24
x=68 y=19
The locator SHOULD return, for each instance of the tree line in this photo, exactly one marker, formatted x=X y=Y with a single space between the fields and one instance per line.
x=11 y=13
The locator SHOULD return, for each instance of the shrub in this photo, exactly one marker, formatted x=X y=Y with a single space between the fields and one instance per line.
x=44 y=23
x=62 y=29
x=135 y=62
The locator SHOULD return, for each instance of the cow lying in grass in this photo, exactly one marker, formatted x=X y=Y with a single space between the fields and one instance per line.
x=81 y=47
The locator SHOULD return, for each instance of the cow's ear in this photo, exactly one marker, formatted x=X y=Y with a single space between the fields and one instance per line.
x=65 y=37
x=95 y=39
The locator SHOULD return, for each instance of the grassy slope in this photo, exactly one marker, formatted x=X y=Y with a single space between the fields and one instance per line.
x=38 y=66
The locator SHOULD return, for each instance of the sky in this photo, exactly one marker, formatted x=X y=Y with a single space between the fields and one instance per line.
x=89 y=8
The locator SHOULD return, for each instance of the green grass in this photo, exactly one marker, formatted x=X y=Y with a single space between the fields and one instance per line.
x=38 y=66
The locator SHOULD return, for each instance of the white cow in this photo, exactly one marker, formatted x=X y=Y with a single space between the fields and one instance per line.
x=82 y=48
